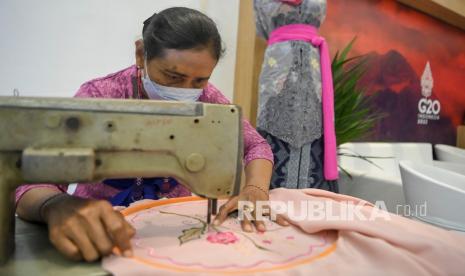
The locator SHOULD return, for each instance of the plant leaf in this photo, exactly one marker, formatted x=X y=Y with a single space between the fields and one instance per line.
x=354 y=117
x=346 y=173
x=190 y=234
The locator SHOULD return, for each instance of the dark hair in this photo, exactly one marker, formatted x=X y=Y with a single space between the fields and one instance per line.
x=180 y=29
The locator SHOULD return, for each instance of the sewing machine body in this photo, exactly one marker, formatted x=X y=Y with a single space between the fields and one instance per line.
x=53 y=140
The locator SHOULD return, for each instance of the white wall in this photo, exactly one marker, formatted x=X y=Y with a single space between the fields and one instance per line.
x=50 y=47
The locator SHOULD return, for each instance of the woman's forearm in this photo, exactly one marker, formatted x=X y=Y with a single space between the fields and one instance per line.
x=258 y=173
x=29 y=205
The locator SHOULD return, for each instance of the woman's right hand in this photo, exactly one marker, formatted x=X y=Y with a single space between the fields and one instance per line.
x=86 y=229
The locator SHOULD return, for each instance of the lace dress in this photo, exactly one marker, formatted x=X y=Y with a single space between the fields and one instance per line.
x=290 y=107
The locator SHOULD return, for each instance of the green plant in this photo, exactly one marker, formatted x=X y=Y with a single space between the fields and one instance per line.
x=354 y=118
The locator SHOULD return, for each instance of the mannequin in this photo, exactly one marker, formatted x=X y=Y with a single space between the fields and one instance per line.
x=290 y=113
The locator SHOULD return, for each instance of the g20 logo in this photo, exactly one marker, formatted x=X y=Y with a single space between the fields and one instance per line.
x=428 y=106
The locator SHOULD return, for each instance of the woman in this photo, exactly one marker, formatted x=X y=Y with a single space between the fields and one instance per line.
x=179 y=51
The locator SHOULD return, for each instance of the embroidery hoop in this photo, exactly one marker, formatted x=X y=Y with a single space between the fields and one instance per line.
x=158 y=265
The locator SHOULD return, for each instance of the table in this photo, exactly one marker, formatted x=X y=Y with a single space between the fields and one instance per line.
x=35 y=255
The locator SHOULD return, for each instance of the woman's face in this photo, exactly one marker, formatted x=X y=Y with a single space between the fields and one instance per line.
x=189 y=68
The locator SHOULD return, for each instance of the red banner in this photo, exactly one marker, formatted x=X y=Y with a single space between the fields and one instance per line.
x=416 y=68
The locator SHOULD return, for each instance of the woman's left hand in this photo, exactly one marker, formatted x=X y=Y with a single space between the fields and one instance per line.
x=250 y=194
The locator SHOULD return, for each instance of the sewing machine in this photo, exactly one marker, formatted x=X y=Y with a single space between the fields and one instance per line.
x=61 y=141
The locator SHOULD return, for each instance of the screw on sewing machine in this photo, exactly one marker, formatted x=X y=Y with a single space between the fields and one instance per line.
x=73 y=123
x=110 y=126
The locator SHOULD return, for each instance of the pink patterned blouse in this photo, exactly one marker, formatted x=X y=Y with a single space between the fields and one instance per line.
x=122 y=85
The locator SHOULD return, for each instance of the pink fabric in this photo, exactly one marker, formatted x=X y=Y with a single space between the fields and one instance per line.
x=389 y=245
x=398 y=246
x=292 y=2
x=119 y=85
x=310 y=34
x=170 y=235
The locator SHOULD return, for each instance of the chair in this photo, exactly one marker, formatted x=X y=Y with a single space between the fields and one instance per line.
x=442 y=190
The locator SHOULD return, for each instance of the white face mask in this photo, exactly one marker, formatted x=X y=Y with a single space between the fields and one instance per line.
x=160 y=92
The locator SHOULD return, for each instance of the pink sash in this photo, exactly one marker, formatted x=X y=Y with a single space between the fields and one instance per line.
x=309 y=34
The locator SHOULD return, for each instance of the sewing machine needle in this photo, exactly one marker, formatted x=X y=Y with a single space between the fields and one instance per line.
x=214 y=206
x=209 y=211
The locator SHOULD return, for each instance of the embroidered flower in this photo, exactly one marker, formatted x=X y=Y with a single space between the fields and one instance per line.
x=222 y=237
